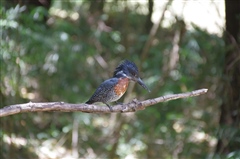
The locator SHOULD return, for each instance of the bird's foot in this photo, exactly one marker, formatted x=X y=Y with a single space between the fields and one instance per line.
x=110 y=107
x=120 y=103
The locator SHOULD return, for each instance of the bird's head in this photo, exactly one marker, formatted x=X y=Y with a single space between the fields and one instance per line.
x=129 y=70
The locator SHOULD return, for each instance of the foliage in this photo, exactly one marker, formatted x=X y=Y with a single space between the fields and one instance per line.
x=66 y=57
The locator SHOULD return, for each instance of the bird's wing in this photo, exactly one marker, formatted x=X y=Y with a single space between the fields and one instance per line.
x=103 y=90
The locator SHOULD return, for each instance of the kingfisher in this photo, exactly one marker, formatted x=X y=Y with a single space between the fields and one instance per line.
x=113 y=89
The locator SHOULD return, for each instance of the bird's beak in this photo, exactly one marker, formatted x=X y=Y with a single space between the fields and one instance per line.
x=139 y=81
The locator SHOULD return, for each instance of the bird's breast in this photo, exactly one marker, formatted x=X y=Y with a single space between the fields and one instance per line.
x=121 y=86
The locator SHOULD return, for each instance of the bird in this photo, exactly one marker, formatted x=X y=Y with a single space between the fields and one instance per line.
x=113 y=89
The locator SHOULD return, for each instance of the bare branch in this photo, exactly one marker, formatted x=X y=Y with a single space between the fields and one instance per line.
x=67 y=107
x=153 y=31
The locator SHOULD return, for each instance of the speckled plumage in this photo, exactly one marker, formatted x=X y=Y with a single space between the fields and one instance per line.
x=105 y=92
x=113 y=89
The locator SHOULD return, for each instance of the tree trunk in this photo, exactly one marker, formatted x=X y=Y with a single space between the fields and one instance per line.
x=148 y=23
x=96 y=6
x=230 y=109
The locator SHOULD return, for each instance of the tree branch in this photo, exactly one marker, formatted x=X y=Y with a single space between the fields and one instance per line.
x=67 y=107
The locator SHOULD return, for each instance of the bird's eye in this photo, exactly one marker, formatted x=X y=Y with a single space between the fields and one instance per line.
x=134 y=74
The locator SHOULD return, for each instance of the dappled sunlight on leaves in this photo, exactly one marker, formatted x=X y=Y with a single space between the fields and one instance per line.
x=65 y=56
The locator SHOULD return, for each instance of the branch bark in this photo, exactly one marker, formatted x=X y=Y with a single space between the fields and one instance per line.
x=133 y=106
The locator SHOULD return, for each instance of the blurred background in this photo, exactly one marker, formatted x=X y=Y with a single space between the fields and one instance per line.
x=54 y=50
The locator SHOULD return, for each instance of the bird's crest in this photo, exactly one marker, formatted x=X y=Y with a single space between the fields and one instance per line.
x=126 y=67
